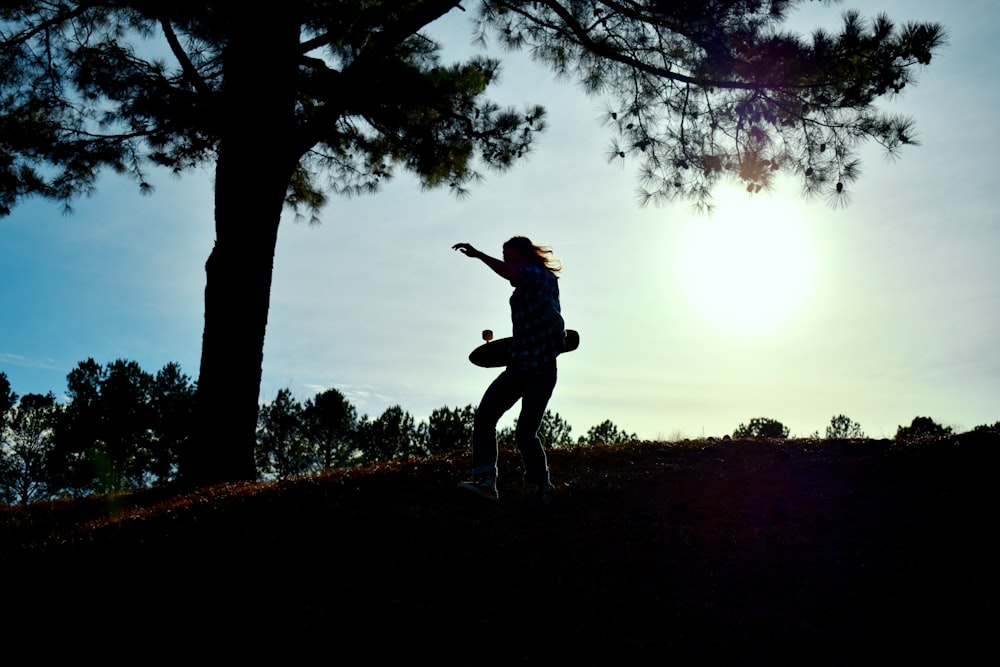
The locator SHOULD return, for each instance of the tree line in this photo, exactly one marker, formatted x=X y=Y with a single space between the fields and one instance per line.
x=842 y=427
x=123 y=428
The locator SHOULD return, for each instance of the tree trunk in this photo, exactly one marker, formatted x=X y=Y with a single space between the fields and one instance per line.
x=255 y=165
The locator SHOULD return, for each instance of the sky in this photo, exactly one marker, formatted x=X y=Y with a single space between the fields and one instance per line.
x=882 y=311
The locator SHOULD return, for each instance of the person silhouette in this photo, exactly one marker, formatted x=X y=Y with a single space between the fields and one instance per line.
x=539 y=336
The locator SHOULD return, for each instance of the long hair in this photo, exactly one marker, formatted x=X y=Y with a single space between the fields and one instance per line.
x=539 y=255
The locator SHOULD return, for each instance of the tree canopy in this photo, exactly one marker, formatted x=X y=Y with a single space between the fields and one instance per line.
x=703 y=90
x=290 y=103
x=129 y=85
x=843 y=427
x=697 y=90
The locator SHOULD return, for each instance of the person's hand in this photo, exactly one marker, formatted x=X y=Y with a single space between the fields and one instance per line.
x=466 y=249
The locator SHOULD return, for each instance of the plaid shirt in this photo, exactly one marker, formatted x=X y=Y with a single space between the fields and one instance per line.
x=538 y=329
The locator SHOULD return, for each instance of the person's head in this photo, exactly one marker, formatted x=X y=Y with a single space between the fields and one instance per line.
x=521 y=250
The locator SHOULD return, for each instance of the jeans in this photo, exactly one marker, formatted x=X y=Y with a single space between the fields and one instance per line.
x=534 y=388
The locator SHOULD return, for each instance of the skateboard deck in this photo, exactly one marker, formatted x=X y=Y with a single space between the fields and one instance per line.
x=496 y=353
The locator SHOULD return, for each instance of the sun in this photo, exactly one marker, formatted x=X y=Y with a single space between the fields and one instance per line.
x=750 y=266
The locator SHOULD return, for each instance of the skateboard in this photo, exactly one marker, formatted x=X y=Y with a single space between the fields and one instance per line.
x=496 y=353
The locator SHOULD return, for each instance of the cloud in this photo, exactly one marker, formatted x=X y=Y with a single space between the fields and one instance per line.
x=26 y=362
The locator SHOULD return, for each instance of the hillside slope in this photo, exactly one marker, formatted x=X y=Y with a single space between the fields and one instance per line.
x=777 y=553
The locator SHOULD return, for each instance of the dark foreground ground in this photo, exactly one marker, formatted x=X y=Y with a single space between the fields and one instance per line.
x=737 y=553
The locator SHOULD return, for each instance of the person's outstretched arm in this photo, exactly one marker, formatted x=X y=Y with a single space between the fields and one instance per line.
x=503 y=269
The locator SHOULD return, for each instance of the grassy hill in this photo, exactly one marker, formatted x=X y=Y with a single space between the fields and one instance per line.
x=721 y=552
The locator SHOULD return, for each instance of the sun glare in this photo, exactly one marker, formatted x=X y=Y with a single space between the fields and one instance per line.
x=748 y=267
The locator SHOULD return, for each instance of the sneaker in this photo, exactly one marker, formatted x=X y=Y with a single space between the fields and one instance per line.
x=483 y=485
x=542 y=494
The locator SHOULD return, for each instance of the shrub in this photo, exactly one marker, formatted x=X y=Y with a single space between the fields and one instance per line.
x=921 y=428
x=761 y=427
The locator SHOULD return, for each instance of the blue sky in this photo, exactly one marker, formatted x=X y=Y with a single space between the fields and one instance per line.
x=882 y=311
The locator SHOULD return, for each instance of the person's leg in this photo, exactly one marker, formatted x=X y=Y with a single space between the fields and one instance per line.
x=537 y=390
x=499 y=397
